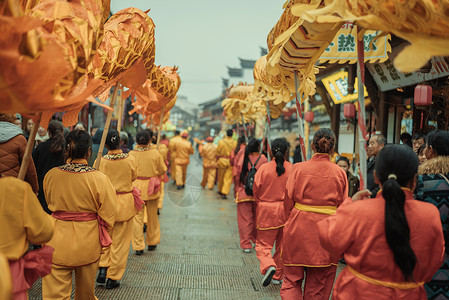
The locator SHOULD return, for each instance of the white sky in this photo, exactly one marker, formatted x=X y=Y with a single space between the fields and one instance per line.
x=202 y=37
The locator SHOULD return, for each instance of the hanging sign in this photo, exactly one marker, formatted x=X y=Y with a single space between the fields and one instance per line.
x=337 y=87
x=343 y=48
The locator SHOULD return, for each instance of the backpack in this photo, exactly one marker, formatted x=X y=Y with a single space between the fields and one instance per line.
x=250 y=178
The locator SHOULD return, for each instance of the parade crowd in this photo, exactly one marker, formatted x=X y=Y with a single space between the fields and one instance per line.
x=79 y=213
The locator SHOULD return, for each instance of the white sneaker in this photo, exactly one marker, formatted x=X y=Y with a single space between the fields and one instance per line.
x=268 y=276
x=246 y=250
x=274 y=281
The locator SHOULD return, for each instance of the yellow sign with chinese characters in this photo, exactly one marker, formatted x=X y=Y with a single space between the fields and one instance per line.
x=337 y=87
x=343 y=48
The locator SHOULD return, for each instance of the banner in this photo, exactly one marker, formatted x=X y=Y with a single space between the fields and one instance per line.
x=337 y=87
x=343 y=48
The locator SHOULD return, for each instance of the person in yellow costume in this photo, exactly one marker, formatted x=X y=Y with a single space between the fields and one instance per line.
x=22 y=220
x=183 y=149
x=150 y=171
x=171 y=148
x=84 y=204
x=209 y=154
x=163 y=151
x=224 y=149
x=121 y=169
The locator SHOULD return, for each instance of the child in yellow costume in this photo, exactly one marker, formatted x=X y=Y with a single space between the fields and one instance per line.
x=224 y=149
x=183 y=149
x=150 y=170
x=84 y=204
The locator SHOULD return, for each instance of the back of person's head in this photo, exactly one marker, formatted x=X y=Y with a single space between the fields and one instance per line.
x=253 y=146
x=396 y=167
x=324 y=141
x=439 y=141
x=112 y=140
x=177 y=132
x=241 y=141
x=124 y=138
x=11 y=118
x=80 y=126
x=229 y=132
x=143 y=137
x=279 y=148
x=151 y=133
x=56 y=132
x=78 y=144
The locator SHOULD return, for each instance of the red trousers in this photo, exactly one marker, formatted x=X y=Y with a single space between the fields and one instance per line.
x=246 y=220
x=318 y=285
x=264 y=244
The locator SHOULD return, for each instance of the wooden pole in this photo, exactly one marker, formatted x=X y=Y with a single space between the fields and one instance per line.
x=299 y=118
x=106 y=127
x=161 y=122
x=244 y=127
x=361 y=112
x=120 y=106
x=29 y=149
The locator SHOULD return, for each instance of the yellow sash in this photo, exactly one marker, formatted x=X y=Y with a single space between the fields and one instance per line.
x=393 y=285
x=325 y=210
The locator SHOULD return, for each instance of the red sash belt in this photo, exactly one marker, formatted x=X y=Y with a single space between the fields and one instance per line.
x=27 y=269
x=154 y=184
x=105 y=239
x=138 y=202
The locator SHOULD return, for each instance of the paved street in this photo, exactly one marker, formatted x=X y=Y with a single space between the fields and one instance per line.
x=199 y=256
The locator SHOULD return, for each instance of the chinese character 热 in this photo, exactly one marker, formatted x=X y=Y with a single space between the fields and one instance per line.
x=346 y=43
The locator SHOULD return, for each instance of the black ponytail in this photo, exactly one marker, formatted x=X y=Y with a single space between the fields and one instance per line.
x=56 y=131
x=79 y=142
x=396 y=166
x=253 y=146
x=113 y=139
x=279 y=148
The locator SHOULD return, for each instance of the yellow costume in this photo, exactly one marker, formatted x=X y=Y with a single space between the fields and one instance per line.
x=121 y=169
x=171 y=148
x=183 y=149
x=77 y=188
x=209 y=154
x=224 y=149
x=150 y=168
x=22 y=220
x=5 y=279
x=163 y=150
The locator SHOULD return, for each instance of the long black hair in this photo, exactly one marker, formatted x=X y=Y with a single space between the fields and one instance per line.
x=279 y=148
x=396 y=166
x=439 y=140
x=79 y=142
x=56 y=131
x=324 y=141
x=240 y=141
x=113 y=139
x=253 y=146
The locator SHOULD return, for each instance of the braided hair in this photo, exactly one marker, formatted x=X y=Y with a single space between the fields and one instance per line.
x=279 y=148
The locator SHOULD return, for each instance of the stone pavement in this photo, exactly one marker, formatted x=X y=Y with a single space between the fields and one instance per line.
x=199 y=256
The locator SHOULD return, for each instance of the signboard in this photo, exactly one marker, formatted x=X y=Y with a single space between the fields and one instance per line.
x=388 y=78
x=337 y=87
x=343 y=48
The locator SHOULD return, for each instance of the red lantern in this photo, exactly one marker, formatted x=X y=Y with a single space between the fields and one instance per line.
x=349 y=110
x=308 y=116
x=423 y=95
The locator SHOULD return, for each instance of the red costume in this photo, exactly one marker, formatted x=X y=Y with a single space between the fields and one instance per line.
x=315 y=189
x=269 y=191
x=358 y=232
x=246 y=205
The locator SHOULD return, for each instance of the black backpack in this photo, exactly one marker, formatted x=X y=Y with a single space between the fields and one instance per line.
x=250 y=178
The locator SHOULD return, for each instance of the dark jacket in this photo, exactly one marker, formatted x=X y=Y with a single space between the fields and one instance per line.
x=12 y=150
x=297 y=155
x=353 y=184
x=432 y=187
x=371 y=185
x=96 y=140
x=45 y=160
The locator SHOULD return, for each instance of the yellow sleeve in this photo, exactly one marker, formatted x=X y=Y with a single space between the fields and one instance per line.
x=162 y=167
x=133 y=166
x=108 y=201
x=39 y=226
